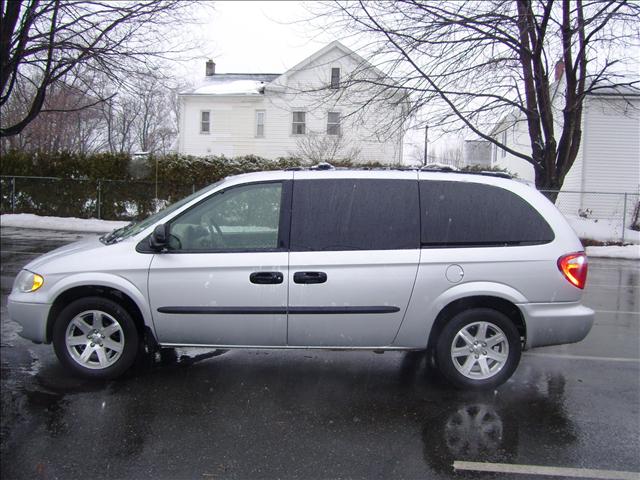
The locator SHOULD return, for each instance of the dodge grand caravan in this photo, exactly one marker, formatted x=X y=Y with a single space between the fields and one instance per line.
x=471 y=268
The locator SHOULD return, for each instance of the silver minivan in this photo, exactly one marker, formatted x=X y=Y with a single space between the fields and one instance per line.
x=471 y=268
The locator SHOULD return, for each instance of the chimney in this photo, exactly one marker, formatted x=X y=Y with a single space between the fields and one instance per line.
x=559 y=71
x=211 y=68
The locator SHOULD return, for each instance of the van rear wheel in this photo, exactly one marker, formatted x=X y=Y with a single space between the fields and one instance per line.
x=478 y=349
x=95 y=337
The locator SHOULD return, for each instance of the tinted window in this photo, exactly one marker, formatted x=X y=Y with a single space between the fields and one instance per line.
x=355 y=214
x=241 y=218
x=473 y=214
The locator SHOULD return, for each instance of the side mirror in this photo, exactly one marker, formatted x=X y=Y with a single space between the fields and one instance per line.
x=159 y=239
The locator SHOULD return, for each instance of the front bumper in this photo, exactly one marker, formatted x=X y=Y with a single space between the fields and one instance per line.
x=556 y=323
x=32 y=317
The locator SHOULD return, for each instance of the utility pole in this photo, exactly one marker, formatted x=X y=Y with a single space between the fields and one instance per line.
x=157 y=203
x=426 y=144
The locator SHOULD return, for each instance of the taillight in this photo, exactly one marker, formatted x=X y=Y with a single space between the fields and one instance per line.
x=574 y=267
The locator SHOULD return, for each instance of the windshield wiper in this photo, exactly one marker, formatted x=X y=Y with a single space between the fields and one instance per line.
x=113 y=236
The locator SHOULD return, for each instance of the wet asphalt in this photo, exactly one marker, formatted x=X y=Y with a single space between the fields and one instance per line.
x=197 y=414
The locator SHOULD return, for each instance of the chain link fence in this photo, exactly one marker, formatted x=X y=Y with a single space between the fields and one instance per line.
x=602 y=216
x=599 y=216
x=102 y=199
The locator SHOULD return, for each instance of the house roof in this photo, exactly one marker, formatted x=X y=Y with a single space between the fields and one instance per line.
x=616 y=91
x=253 y=83
x=232 y=84
x=327 y=48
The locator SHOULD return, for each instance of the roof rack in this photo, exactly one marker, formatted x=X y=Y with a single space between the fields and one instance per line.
x=429 y=168
x=447 y=169
x=319 y=166
x=438 y=168
x=489 y=173
x=323 y=166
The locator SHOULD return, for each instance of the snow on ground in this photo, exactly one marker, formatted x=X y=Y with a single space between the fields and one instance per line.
x=602 y=230
x=69 y=224
x=627 y=251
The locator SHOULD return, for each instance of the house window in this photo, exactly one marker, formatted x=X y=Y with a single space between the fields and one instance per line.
x=335 y=78
x=298 y=126
x=503 y=152
x=260 y=116
x=205 y=121
x=333 y=123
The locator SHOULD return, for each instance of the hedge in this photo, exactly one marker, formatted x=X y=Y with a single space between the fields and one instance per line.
x=115 y=186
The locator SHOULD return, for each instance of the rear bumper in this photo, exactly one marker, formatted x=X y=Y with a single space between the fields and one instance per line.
x=556 y=323
x=32 y=317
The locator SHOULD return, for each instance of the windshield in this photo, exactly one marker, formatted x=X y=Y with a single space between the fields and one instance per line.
x=136 y=227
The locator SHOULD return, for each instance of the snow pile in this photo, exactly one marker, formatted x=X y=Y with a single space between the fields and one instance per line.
x=602 y=230
x=628 y=251
x=69 y=224
x=232 y=87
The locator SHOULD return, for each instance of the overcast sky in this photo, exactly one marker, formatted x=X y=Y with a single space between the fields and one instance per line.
x=258 y=37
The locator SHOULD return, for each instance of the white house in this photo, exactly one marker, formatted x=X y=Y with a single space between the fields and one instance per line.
x=477 y=152
x=608 y=159
x=311 y=109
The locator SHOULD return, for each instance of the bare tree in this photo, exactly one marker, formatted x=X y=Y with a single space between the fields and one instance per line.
x=484 y=65
x=155 y=125
x=120 y=117
x=317 y=147
x=64 y=126
x=449 y=155
x=44 y=43
x=129 y=120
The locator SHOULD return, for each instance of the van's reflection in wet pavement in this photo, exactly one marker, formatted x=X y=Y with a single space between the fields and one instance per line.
x=308 y=414
x=248 y=414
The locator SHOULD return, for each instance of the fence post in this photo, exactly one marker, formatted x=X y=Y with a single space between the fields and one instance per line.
x=99 y=199
x=13 y=194
x=624 y=216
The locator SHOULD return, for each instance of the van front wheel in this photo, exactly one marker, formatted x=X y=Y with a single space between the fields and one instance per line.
x=95 y=337
x=478 y=349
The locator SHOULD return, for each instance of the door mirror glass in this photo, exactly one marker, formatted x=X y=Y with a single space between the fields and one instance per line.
x=160 y=237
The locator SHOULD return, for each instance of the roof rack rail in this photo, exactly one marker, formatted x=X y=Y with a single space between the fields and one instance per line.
x=323 y=166
x=448 y=169
x=490 y=173
x=319 y=166
x=438 y=168
x=428 y=168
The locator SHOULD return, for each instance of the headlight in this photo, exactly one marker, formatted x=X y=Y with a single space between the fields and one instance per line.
x=27 y=281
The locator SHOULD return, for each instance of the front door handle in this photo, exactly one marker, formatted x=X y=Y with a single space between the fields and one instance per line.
x=309 y=277
x=265 y=278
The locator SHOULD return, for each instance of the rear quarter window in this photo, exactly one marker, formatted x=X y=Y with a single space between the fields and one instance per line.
x=460 y=214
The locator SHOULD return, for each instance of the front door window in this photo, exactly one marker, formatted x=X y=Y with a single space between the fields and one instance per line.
x=244 y=218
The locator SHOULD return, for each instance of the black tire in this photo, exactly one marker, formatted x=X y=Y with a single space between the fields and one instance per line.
x=491 y=365
x=113 y=332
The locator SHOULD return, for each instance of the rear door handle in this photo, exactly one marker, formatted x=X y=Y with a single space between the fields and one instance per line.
x=309 y=277
x=265 y=278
